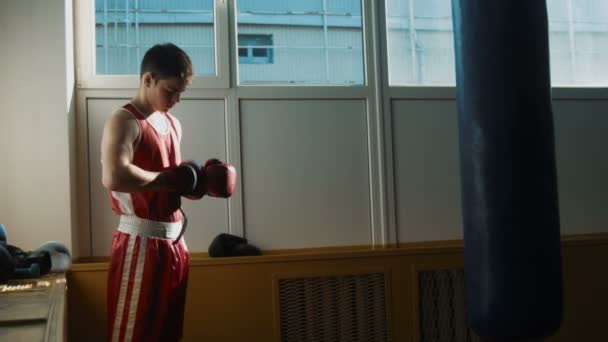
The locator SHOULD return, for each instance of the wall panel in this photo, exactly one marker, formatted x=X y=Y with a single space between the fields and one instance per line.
x=204 y=136
x=305 y=173
x=581 y=134
x=427 y=174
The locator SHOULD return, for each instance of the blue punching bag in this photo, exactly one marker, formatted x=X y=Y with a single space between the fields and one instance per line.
x=508 y=174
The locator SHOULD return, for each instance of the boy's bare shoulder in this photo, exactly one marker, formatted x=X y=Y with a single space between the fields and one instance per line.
x=121 y=117
x=121 y=114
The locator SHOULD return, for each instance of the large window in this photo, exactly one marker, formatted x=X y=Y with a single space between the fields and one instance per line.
x=421 y=48
x=309 y=42
x=125 y=29
x=321 y=42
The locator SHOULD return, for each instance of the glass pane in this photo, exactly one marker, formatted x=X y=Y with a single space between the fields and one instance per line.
x=258 y=52
x=313 y=42
x=421 y=47
x=578 y=36
x=126 y=29
x=420 y=42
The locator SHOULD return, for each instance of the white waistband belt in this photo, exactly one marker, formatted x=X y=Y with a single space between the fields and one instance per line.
x=134 y=225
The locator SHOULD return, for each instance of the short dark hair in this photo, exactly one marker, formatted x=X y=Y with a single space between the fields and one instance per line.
x=165 y=61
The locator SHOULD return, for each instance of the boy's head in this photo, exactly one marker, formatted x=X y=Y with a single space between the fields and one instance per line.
x=164 y=61
x=166 y=71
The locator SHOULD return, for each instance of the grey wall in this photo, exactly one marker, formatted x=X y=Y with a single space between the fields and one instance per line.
x=582 y=163
x=427 y=175
x=305 y=174
x=427 y=178
x=305 y=170
x=36 y=121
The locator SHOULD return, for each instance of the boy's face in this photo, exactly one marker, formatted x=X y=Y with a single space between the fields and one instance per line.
x=163 y=94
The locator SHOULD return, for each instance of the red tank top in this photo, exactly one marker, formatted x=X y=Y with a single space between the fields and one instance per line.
x=155 y=152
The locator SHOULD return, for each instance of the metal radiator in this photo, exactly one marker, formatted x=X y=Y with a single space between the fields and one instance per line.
x=345 y=308
x=443 y=316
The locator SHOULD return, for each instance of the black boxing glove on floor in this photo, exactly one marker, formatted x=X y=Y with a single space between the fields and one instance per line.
x=228 y=245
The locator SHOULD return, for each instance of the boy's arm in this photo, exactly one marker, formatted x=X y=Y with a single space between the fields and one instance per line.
x=120 y=135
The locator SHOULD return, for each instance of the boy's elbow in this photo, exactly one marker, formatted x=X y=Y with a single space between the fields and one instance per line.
x=110 y=182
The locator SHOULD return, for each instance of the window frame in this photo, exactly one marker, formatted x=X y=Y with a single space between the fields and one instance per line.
x=87 y=78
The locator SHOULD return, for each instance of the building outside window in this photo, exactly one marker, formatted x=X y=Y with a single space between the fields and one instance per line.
x=126 y=29
x=421 y=48
x=321 y=42
x=255 y=49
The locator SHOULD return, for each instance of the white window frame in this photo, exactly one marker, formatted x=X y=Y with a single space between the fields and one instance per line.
x=87 y=78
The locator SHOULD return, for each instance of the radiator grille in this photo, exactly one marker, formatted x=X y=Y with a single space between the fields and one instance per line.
x=443 y=316
x=347 y=308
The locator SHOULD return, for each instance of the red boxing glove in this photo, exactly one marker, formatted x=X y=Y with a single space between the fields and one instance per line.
x=184 y=178
x=219 y=178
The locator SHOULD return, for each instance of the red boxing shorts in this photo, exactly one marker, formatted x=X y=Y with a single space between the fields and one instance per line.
x=147 y=281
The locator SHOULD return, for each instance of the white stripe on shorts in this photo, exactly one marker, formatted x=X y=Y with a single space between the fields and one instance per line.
x=124 y=283
x=139 y=270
